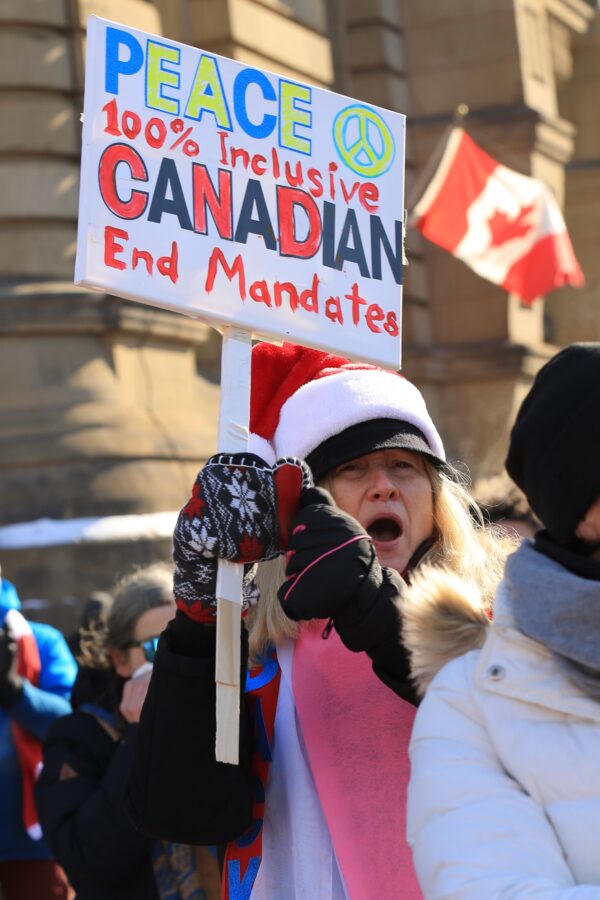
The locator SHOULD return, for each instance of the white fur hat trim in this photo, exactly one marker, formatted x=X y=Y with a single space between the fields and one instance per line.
x=328 y=405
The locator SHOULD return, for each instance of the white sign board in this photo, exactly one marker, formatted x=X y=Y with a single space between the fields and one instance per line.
x=240 y=197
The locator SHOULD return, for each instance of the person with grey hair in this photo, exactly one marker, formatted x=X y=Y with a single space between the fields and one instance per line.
x=88 y=757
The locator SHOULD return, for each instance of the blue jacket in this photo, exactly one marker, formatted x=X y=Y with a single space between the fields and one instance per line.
x=35 y=710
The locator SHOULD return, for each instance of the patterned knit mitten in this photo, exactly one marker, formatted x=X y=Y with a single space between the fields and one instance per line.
x=195 y=588
x=240 y=510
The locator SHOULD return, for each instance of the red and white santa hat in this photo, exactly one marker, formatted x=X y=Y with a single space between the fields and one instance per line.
x=327 y=410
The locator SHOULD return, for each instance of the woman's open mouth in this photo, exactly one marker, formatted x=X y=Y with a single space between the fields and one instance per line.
x=384 y=530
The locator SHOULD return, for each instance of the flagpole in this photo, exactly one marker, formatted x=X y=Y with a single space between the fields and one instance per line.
x=433 y=161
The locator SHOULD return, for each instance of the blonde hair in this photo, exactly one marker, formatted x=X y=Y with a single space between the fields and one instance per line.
x=464 y=545
x=267 y=623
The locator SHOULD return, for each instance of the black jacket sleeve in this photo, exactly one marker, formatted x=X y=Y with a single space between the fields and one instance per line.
x=80 y=802
x=177 y=790
x=371 y=623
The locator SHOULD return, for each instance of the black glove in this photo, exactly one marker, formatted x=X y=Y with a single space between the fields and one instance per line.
x=240 y=510
x=11 y=683
x=333 y=572
x=331 y=561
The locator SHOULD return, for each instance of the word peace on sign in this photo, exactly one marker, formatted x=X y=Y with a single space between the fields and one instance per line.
x=363 y=141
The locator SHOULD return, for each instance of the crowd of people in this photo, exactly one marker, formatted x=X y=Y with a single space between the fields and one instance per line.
x=419 y=714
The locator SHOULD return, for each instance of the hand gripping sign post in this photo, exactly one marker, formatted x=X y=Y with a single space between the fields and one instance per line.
x=263 y=206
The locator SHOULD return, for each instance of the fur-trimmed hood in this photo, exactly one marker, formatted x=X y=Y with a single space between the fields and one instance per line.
x=442 y=618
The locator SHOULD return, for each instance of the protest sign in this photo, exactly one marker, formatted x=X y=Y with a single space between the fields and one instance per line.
x=240 y=197
x=261 y=205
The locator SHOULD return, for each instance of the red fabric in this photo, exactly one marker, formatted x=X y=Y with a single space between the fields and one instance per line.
x=29 y=749
x=506 y=226
x=29 y=665
x=33 y=879
x=277 y=373
x=550 y=264
x=288 y=484
x=445 y=222
x=243 y=856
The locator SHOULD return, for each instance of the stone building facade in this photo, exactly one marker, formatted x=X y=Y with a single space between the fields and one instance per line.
x=108 y=408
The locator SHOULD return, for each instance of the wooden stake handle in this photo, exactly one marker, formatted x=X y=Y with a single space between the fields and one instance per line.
x=234 y=415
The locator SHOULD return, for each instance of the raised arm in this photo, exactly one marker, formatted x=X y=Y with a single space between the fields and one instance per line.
x=178 y=791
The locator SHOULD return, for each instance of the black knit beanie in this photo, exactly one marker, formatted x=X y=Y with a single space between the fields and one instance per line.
x=554 y=451
x=367 y=437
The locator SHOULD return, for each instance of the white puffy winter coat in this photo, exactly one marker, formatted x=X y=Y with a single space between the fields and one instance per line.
x=504 y=797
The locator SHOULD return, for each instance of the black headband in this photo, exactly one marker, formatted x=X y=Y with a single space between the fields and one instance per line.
x=367 y=437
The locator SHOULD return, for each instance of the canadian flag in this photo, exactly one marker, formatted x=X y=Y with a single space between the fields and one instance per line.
x=506 y=226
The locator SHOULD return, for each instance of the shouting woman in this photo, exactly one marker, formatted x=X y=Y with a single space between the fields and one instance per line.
x=316 y=805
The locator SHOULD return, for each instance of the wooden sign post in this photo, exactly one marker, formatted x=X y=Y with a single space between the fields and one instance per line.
x=233 y=437
x=263 y=206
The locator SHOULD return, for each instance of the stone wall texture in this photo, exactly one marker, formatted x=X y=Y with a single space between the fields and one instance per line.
x=108 y=407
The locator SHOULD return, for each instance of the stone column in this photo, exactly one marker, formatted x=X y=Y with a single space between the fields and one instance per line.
x=472 y=349
x=108 y=408
x=575 y=315
x=288 y=38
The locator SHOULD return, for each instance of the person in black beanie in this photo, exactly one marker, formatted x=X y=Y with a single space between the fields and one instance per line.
x=505 y=749
x=554 y=451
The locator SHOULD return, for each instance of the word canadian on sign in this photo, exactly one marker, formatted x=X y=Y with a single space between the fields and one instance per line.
x=240 y=197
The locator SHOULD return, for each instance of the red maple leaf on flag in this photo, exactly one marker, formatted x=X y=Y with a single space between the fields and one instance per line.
x=528 y=252
x=504 y=229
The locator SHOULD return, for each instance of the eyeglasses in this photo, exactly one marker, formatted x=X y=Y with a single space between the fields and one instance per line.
x=148 y=646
